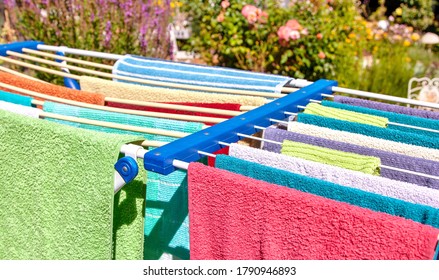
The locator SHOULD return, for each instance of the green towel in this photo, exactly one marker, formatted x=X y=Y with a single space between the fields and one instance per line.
x=57 y=193
x=352 y=161
x=345 y=115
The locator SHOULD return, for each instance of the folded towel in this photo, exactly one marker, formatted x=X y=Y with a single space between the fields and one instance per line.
x=389 y=159
x=127 y=119
x=16 y=98
x=393 y=117
x=416 y=212
x=236 y=217
x=374 y=184
x=351 y=161
x=369 y=130
x=223 y=106
x=20 y=109
x=346 y=115
x=365 y=141
x=198 y=75
x=387 y=107
x=57 y=197
x=50 y=89
x=154 y=94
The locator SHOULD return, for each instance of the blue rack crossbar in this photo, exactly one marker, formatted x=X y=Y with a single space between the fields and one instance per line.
x=186 y=149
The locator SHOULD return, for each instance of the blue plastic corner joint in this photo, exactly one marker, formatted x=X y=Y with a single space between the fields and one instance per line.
x=18 y=46
x=68 y=82
x=186 y=149
x=127 y=168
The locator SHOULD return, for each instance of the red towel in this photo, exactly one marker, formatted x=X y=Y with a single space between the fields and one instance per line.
x=50 y=89
x=224 y=106
x=235 y=217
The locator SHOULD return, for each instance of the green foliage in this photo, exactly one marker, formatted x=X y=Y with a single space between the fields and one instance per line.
x=417 y=13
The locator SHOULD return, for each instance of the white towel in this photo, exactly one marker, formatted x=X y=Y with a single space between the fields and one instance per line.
x=354 y=179
x=20 y=109
x=365 y=141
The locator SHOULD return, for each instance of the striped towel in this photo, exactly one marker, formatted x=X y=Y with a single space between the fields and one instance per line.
x=199 y=75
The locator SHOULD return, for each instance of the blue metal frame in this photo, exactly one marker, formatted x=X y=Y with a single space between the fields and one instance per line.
x=186 y=149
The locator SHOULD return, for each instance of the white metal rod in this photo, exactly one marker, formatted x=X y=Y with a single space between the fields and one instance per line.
x=80 y=52
x=224 y=143
x=140 y=152
x=258 y=138
x=180 y=164
x=414 y=127
x=290 y=113
x=278 y=121
x=259 y=127
x=207 y=154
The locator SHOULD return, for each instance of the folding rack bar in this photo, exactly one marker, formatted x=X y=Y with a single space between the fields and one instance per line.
x=187 y=149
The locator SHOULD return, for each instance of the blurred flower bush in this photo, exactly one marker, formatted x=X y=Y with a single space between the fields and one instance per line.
x=115 y=26
x=309 y=39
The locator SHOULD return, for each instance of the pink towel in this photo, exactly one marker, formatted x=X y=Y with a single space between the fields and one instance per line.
x=236 y=217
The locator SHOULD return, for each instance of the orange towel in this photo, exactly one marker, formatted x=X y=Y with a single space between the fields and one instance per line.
x=50 y=89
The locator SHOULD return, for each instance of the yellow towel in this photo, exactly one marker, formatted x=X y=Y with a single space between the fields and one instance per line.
x=155 y=94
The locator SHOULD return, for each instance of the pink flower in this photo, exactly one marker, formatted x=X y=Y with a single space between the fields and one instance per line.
x=225 y=4
x=284 y=33
x=294 y=24
x=322 y=55
x=319 y=36
x=247 y=9
x=263 y=17
x=220 y=17
x=304 y=32
x=294 y=35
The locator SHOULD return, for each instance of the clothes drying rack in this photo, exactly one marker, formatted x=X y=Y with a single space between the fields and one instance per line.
x=179 y=153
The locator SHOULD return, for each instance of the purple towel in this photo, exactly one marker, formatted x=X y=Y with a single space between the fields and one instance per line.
x=387 y=107
x=390 y=159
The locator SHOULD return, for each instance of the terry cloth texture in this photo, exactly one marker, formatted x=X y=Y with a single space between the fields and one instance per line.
x=393 y=117
x=365 y=141
x=50 y=89
x=20 y=109
x=154 y=94
x=197 y=75
x=166 y=225
x=369 y=130
x=236 y=217
x=57 y=194
x=16 y=98
x=374 y=184
x=345 y=115
x=389 y=159
x=127 y=119
x=351 y=161
x=415 y=212
x=387 y=107
x=223 y=106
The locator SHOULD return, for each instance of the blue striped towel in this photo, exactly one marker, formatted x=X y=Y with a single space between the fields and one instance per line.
x=16 y=98
x=199 y=75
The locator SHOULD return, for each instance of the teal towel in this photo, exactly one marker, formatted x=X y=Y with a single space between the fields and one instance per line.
x=345 y=115
x=166 y=216
x=57 y=194
x=373 y=131
x=393 y=117
x=134 y=120
x=419 y=213
x=16 y=98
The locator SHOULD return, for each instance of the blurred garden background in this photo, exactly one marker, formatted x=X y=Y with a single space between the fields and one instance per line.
x=369 y=45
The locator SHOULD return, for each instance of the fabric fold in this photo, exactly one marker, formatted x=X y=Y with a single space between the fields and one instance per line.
x=369 y=130
x=345 y=115
x=387 y=107
x=236 y=217
x=155 y=94
x=198 y=75
x=20 y=109
x=351 y=161
x=393 y=118
x=50 y=89
x=58 y=198
x=374 y=184
x=387 y=158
